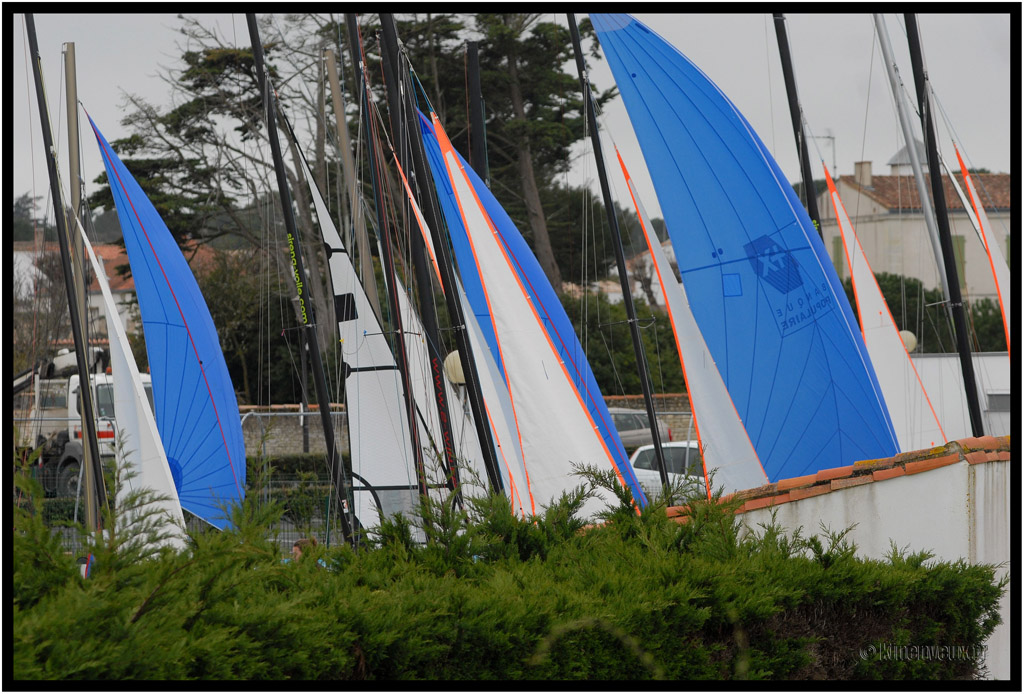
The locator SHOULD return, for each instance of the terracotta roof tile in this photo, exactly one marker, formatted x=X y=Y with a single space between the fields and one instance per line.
x=888 y=473
x=900 y=192
x=796 y=482
x=798 y=494
x=833 y=473
x=849 y=482
x=917 y=466
x=113 y=255
x=974 y=451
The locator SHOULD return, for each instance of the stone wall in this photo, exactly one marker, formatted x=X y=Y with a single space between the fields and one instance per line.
x=284 y=429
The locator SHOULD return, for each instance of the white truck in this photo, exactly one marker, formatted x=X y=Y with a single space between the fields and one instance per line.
x=54 y=422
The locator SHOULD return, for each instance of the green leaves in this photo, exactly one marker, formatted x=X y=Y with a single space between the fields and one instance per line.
x=495 y=596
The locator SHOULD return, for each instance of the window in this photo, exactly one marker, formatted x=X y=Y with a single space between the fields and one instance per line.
x=53 y=396
x=998 y=402
x=105 y=399
x=679 y=460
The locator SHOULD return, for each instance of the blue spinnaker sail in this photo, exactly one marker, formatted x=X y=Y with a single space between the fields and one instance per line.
x=545 y=301
x=194 y=400
x=770 y=306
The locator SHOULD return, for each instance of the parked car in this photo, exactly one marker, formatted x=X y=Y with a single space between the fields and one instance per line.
x=682 y=460
x=635 y=429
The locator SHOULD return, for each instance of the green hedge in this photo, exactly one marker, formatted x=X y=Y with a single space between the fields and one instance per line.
x=292 y=464
x=493 y=597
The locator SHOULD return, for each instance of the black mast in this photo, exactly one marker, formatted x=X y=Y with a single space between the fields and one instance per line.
x=338 y=472
x=428 y=313
x=81 y=356
x=620 y=259
x=401 y=355
x=477 y=129
x=810 y=191
x=434 y=219
x=942 y=217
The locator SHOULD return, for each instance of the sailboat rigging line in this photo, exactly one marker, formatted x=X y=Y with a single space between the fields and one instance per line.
x=452 y=300
x=391 y=59
x=939 y=199
x=334 y=460
x=184 y=320
x=620 y=260
x=400 y=352
x=81 y=355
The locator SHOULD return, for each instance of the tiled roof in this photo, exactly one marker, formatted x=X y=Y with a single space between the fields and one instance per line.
x=900 y=192
x=971 y=450
x=113 y=255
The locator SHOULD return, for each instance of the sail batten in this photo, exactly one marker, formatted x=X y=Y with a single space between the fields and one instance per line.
x=380 y=443
x=768 y=304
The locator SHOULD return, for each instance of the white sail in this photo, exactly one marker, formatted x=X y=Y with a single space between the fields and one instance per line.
x=913 y=417
x=142 y=452
x=726 y=447
x=379 y=438
x=421 y=379
x=493 y=390
x=554 y=428
x=997 y=262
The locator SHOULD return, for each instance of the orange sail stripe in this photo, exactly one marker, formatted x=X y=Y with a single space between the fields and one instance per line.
x=420 y=222
x=984 y=240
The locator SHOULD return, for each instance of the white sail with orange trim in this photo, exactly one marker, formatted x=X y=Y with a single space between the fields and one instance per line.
x=492 y=386
x=997 y=262
x=913 y=417
x=554 y=427
x=726 y=447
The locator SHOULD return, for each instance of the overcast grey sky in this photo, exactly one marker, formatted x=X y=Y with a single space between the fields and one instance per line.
x=841 y=81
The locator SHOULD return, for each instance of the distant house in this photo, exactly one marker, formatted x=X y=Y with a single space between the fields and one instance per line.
x=641 y=271
x=886 y=213
x=122 y=288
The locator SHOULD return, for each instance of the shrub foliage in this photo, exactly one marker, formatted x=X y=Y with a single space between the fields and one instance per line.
x=491 y=596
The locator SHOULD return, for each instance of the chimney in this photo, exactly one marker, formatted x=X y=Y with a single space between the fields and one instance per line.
x=862 y=173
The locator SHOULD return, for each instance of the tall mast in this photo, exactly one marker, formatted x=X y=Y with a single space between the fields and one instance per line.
x=81 y=356
x=620 y=258
x=903 y=110
x=451 y=296
x=810 y=192
x=428 y=314
x=938 y=195
x=477 y=129
x=401 y=354
x=78 y=263
x=348 y=166
x=338 y=472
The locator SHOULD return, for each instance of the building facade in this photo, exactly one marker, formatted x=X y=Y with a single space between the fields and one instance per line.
x=887 y=216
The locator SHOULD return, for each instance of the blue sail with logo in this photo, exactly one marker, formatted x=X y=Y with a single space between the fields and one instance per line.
x=543 y=297
x=194 y=400
x=768 y=302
